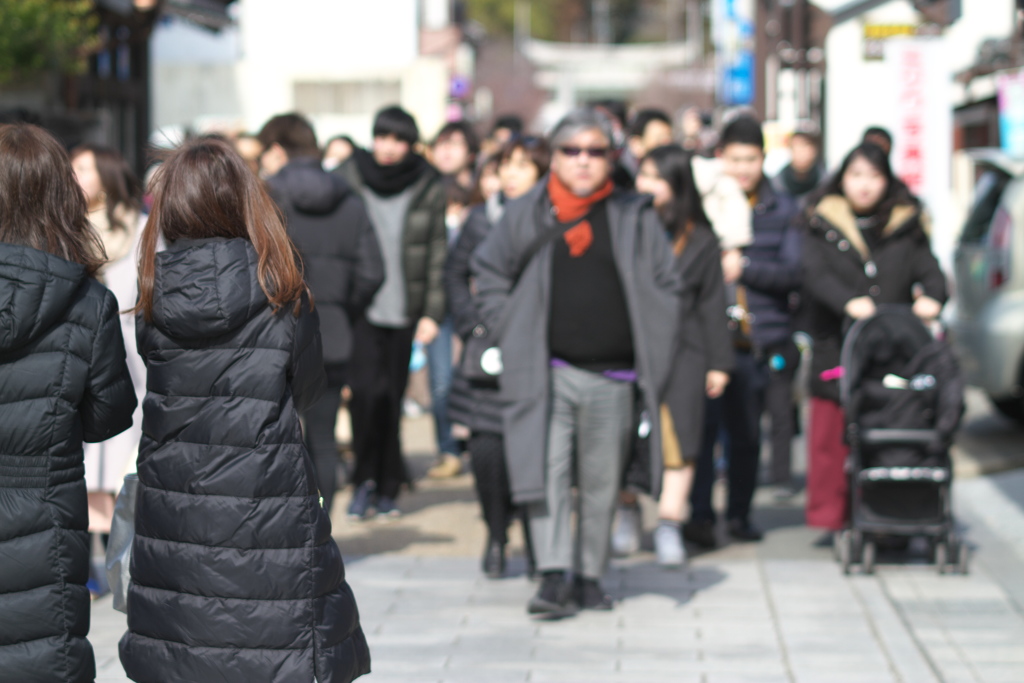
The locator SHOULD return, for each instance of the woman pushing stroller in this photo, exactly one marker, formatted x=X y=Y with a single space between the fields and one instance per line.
x=866 y=245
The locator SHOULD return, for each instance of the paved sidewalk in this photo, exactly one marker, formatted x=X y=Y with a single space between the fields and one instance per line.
x=780 y=611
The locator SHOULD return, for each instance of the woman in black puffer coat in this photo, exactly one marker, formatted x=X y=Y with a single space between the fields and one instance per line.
x=63 y=380
x=235 y=576
x=866 y=245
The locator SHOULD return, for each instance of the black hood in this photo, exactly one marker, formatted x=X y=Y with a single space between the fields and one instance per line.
x=206 y=288
x=36 y=288
x=309 y=188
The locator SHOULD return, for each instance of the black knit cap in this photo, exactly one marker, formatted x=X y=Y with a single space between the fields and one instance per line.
x=398 y=122
x=744 y=130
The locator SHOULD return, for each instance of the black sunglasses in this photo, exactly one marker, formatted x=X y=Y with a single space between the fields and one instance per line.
x=592 y=152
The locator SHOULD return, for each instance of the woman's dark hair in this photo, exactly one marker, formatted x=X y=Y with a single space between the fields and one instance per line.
x=486 y=164
x=41 y=204
x=120 y=184
x=204 y=189
x=398 y=122
x=896 y=192
x=454 y=193
x=686 y=210
x=468 y=134
x=535 y=148
x=293 y=133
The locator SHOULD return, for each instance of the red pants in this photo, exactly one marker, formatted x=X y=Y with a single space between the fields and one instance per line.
x=827 y=486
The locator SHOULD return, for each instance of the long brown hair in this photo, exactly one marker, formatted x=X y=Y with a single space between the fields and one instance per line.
x=120 y=185
x=204 y=189
x=41 y=204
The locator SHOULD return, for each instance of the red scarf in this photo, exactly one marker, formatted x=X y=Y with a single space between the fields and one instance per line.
x=569 y=208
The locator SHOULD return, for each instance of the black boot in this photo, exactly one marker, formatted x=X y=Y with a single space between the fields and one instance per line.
x=494 y=559
x=554 y=598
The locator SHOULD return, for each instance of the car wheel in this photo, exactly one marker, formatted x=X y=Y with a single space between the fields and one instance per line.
x=1012 y=408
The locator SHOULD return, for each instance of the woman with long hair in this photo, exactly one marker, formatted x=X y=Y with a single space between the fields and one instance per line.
x=866 y=245
x=113 y=196
x=704 y=353
x=235 y=576
x=63 y=380
x=521 y=163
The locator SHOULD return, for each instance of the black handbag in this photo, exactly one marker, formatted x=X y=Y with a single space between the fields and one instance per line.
x=637 y=473
x=481 y=358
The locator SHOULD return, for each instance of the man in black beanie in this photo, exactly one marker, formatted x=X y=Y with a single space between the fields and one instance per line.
x=406 y=202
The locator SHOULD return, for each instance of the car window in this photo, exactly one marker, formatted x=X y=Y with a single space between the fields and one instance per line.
x=987 y=195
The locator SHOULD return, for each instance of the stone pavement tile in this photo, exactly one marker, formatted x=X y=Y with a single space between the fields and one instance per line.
x=677 y=636
x=723 y=677
x=597 y=676
x=1000 y=673
x=898 y=643
x=831 y=675
x=476 y=675
x=762 y=665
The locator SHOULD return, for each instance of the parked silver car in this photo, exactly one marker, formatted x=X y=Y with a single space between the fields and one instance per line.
x=987 y=326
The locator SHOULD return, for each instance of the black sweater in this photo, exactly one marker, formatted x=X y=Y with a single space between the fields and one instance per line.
x=589 y=320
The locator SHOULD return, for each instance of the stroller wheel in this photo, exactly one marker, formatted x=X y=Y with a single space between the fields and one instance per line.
x=868 y=561
x=844 y=547
x=941 y=556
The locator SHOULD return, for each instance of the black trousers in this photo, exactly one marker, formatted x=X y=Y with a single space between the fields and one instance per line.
x=378 y=373
x=320 y=419
x=782 y=412
x=490 y=474
x=736 y=417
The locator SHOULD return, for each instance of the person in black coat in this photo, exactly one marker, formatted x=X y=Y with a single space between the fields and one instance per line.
x=866 y=245
x=328 y=223
x=522 y=162
x=704 y=355
x=234 y=574
x=63 y=380
x=760 y=287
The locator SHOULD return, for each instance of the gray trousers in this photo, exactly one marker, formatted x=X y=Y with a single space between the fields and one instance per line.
x=589 y=429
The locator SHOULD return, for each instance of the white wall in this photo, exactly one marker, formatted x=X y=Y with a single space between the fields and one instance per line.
x=194 y=74
x=857 y=94
x=248 y=73
x=320 y=40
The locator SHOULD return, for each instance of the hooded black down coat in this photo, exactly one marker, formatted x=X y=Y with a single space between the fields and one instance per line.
x=235 y=577
x=63 y=380
x=329 y=225
x=839 y=266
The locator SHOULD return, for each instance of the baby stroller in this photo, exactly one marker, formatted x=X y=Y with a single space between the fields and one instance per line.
x=903 y=397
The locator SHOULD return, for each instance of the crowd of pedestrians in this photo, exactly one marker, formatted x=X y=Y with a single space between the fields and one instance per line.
x=606 y=313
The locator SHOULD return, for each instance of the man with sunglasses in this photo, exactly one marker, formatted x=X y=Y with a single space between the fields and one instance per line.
x=577 y=284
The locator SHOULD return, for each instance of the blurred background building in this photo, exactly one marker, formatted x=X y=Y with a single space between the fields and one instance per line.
x=942 y=75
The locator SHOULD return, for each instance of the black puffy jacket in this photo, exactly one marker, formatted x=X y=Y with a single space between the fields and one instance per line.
x=329 y=225
x=63 y=380
x=424 y=243
x=235 y=576
x=839 y=266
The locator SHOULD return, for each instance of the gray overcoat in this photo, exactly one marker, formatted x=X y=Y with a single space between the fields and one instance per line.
x=516 y=310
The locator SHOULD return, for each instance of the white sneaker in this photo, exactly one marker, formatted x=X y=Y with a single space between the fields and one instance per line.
x=668 y=546
x=626 y=531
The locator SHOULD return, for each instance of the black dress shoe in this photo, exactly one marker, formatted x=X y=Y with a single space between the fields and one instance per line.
x=590 y=595
x=701 y=532
x=554 y=598
x=494 y=560
x=743 y=530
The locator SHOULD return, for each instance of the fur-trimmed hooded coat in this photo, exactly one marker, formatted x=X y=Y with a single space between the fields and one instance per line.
x=839 y=266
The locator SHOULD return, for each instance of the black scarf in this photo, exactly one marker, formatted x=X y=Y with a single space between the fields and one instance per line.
x=798 y=186
x=387 y=181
